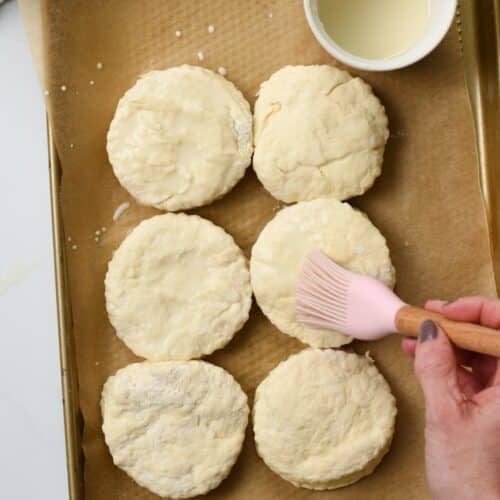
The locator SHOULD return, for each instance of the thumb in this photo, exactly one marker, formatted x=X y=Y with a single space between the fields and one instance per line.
x=436 y=367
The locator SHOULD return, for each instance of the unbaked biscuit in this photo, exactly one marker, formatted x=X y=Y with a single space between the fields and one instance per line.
x=318 y=133
x=180 y=138
x=175 y=427
x=344 y=234
x=178 y=287
x=323 y=419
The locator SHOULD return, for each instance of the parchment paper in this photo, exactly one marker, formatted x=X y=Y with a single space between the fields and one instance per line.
x=426 y=203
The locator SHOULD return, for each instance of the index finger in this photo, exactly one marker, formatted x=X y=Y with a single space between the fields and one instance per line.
x=482 y=310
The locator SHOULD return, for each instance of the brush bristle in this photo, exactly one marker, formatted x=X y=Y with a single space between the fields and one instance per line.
x=322 y=293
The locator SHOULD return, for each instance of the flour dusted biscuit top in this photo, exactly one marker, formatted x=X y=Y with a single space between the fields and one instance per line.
x=318 y=133
x=175 y=427
x=180 y=138
x=178 y=287
x=323 y=419
x=344 y=234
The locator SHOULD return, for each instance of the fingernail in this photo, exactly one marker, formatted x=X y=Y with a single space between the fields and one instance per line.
x=428 y=331
x=441 y=303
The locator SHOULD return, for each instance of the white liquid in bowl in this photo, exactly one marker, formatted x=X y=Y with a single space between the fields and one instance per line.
x=374 y=29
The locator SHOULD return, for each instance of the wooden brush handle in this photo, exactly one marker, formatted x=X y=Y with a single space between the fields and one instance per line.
x=465 y=335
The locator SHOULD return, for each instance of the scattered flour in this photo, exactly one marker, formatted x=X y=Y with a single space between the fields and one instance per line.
x=120 y=209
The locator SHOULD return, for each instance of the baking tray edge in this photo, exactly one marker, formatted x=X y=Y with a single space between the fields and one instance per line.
x=478 y=24
x=69 y=378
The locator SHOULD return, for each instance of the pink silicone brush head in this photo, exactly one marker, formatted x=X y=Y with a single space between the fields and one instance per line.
x=333 y=298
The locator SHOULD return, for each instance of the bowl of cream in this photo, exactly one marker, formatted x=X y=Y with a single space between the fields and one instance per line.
x=379 y=35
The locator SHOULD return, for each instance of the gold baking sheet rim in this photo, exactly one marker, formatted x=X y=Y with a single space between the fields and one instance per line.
x=69 y=377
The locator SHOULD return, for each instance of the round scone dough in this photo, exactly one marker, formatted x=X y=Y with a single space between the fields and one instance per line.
x=178 y=287
x=175 y=427
x=180 y=138
x=318 y=133
x=323 y=418
x=344 y=234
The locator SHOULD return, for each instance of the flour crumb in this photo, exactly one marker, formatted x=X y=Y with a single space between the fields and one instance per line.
x=120 y=209
x=222 y=71
x=211 y=28
x=99 y=65
x=103 y=229
x=97 y=363
x=368 y=356
x=71 y=146
x=98 y=232
x=96 y=239
x=64 y=88
x=406 y=244
x=75 y=247
x=242 y=131
x=91 y=82
x=270 y=15
x=200 y=56
x=397 y=134
x=178 y=33
x=46 y=92
x=359 y=250
x=69 y=238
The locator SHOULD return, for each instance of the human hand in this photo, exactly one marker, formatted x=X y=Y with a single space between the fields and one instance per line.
x=462 y=407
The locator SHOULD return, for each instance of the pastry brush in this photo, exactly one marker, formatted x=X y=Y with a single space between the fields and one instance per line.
x=333 y=298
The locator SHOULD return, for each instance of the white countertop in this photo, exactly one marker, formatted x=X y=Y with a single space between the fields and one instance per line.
x=32 y=451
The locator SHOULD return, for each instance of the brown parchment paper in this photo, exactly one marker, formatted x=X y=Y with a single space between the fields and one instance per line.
x=426 y=202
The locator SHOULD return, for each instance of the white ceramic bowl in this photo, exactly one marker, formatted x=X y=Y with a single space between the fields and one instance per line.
x=441 y=14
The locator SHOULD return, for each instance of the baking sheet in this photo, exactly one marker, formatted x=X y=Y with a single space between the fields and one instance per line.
x=427 y=203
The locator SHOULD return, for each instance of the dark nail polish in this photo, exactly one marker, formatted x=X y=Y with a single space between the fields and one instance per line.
x=428 y=331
